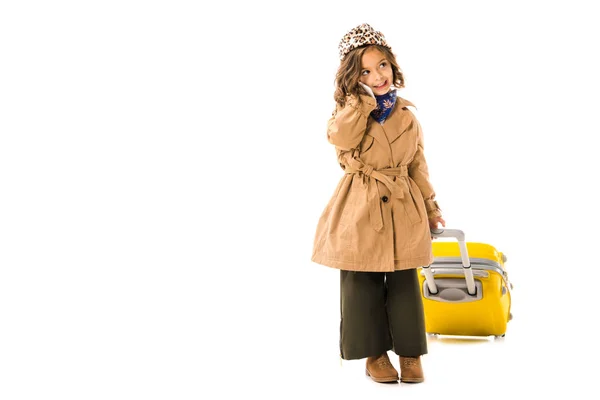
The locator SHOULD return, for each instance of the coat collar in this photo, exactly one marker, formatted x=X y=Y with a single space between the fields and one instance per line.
x=404 y=103
x=395 y=125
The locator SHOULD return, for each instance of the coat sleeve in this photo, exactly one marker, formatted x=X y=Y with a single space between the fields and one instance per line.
x=419 y=173
x=346 y=128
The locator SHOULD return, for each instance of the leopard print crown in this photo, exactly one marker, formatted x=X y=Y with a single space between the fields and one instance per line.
x=362 y=35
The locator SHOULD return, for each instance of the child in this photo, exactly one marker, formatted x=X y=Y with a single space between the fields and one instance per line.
x=376 y=227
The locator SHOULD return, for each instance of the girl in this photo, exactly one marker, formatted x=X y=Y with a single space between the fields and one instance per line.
x=376 y=227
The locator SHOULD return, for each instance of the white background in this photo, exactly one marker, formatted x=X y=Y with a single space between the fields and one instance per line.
x=163 y=166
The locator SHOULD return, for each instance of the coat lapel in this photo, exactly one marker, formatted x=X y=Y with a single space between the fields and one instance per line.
x=397 y=123
x=400 y=120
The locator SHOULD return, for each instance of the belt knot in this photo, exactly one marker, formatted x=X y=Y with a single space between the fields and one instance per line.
x=399 y=189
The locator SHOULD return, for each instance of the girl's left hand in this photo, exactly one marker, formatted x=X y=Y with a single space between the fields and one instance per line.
x=435 y=221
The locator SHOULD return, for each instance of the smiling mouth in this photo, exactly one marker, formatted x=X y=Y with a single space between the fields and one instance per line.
x=382 y=85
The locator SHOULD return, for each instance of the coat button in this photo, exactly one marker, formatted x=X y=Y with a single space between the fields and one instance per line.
x=384 y=199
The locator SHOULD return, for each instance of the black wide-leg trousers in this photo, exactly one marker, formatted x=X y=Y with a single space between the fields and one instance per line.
x=381 y=311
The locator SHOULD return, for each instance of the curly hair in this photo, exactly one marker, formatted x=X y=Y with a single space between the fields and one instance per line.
x=348 y=74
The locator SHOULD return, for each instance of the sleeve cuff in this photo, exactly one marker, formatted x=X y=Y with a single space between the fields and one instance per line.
x=431 y=205
x=434 y=213
x=367 y=104
x=433 y=208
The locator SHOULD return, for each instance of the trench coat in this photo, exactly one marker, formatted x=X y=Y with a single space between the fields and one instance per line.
x=377 y=218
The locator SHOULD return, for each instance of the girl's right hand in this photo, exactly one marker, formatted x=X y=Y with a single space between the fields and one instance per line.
x=367 y=89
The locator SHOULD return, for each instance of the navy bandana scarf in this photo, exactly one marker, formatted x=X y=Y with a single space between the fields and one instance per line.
x=385 y=104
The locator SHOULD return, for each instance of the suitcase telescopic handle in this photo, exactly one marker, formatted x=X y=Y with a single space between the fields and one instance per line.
x=464 y=255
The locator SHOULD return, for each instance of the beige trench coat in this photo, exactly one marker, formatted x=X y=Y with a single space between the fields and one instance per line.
x=377 y=218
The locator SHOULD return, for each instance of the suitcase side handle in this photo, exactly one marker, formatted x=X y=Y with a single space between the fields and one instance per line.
x=464 y=255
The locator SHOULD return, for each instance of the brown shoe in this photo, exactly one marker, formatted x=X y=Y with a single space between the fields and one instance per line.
x=380 y=369
x=411 y=370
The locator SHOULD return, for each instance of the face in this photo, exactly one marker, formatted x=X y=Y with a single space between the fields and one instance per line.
x=376 y=71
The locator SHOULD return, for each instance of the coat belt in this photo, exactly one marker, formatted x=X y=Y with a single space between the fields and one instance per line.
x=399 y=189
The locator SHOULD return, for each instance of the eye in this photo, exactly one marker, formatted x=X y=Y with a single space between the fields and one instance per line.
x=365 y=72
x=383 y=64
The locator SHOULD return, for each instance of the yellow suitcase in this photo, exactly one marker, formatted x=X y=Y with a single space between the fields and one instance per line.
x=465 y=291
